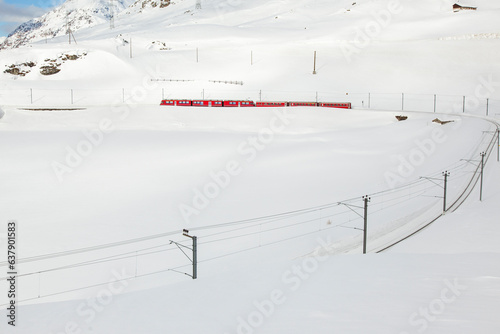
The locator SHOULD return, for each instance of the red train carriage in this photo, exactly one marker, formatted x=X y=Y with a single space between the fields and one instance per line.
x=208 y=103
x=183 y=103
x=345 y=105
x=239 y=104
x=302 y=104
x=167 y=103
x=271 y=104
x=176 y=103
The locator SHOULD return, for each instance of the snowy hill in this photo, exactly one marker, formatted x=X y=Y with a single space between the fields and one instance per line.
x=280 y=36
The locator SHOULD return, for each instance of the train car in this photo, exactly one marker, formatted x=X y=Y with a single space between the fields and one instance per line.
x=176 y=103
x=167 y=103
x=239 y=104
x=207 y=103
x=183 y=103
x=302 y=104
x=271 y=104
x=343 y=105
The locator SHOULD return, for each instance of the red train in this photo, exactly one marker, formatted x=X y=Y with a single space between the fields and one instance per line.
x=242 y=103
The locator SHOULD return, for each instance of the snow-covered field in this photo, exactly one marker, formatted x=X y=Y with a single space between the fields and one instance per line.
x=101 y=179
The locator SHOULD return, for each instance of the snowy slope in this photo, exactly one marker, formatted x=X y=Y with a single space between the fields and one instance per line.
x=104 y=185
x=250 y=277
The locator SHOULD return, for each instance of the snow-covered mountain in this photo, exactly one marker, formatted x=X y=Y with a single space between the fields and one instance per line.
x=76 y=14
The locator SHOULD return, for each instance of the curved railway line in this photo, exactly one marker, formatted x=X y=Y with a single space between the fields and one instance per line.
x=463 y=195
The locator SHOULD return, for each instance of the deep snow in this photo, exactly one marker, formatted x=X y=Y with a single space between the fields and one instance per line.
x=108 y=171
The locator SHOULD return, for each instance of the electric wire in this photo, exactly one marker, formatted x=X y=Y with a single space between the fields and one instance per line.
x=259 y=221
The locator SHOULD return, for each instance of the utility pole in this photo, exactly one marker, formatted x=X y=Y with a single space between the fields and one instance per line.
x=366 y=199
x=194 y=249
x=68 y=29
x=435 y=102
x=195 y=252
x=481 y=184
x=403 y=101
x=314 y=69
x=445 y=174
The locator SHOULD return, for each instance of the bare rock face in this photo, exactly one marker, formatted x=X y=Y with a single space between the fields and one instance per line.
x=50 y=69
x=12 y=70
x=20 y=69
x=437 y=120
x=164 y=3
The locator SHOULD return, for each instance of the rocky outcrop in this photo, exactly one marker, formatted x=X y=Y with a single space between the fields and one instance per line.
x=49 y=67
x=20 y=69
x=437 y=120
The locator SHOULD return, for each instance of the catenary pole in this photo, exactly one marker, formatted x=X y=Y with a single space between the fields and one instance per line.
x=366 y=199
